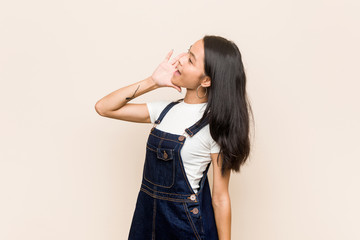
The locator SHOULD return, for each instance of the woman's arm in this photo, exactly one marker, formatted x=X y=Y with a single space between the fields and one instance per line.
x=221 y=199
x=115 y=104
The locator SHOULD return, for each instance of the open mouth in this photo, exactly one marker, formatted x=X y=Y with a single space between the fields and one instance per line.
x=177 y=72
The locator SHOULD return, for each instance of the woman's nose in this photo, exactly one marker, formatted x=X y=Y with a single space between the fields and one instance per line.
x=181 y=59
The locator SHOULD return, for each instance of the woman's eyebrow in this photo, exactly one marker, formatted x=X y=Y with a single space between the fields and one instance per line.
x=192 y=54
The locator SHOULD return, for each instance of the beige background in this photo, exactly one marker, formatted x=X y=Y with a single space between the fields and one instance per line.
x=68 y=173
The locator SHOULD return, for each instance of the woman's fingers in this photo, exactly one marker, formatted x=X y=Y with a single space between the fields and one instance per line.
x=174 y=60
x=176 y=87
x=168 y=55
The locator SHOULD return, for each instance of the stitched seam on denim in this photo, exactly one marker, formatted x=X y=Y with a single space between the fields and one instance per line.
x=202 y=225
x=159 y=144
x=173 y=175
x=165 y=133
x=191 y=222
x=166 y=110
x=164 y=198
x=197 y=127
x=150 y=145
x=171 y=151
x=185 y=195
x=154 y=214
x=151 y=149
x=163 y=185
x=192 y=134
x=167 y=138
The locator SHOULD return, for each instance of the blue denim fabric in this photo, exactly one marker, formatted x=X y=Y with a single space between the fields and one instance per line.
x=167 y=208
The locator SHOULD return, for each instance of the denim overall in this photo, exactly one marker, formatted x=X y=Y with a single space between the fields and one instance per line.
x=167 y=208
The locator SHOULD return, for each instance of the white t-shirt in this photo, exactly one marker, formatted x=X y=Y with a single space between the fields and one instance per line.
x=196 y=150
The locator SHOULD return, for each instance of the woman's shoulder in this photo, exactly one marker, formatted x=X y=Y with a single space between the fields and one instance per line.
x=157 y=106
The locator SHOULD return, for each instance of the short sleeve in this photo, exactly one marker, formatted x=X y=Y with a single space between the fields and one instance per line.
x=215 y=147
x=155 y=108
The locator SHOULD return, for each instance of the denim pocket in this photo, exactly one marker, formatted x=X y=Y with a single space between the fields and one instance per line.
x=159 y=166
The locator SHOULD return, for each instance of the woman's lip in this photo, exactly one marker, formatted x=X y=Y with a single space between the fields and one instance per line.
x=177 y=72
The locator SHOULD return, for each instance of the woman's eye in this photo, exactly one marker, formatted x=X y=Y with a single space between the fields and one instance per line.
x=189 y=53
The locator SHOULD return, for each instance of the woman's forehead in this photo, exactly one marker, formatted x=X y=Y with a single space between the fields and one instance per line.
x=197 y=50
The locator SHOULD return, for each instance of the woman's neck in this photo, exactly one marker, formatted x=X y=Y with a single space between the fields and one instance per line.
x=192 y=98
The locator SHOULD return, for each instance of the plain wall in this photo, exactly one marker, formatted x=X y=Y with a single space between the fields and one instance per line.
x=68 y=173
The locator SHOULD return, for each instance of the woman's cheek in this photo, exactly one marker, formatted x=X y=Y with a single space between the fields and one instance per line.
x=174 y=80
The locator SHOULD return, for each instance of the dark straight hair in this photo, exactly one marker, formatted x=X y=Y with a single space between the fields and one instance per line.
x=228 y=107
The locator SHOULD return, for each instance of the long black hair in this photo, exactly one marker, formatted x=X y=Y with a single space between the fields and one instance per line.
x=228 y=107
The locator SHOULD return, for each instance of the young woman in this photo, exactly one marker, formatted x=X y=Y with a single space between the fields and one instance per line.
x=209 y=125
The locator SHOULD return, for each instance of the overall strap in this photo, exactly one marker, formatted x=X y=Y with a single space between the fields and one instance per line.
x=197 y=126
x=165 y=110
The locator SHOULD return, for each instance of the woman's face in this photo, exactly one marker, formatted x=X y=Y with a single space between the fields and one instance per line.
x=190 y=67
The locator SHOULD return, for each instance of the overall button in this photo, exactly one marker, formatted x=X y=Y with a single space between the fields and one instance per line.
x=193 y=197
x=152 y=129
x=165 y=155
x=181 y=138
x=195 y=211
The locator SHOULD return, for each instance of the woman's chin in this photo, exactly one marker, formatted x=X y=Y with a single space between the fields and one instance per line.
x=174 y=81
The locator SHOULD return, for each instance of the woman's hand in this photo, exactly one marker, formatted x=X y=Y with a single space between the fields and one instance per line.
x=164 y=72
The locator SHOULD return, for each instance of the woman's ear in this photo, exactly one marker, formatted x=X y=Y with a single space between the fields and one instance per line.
x=206 y=81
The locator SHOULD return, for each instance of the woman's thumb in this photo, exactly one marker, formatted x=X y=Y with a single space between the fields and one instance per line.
x=176 y=87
